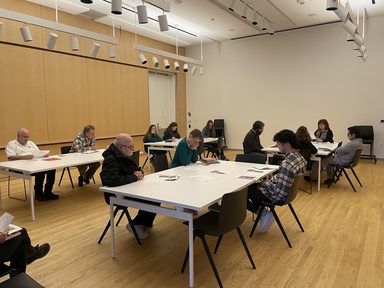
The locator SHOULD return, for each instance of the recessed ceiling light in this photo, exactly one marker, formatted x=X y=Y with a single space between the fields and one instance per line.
x=232 y=29
x=312 y=15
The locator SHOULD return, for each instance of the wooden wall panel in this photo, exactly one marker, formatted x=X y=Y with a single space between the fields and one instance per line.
x=135 y=100
x=22 y=93
x=104 y=97
x=66 y=95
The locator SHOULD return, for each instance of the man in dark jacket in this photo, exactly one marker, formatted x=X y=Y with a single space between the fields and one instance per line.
x=251 y=143
x=119 y=169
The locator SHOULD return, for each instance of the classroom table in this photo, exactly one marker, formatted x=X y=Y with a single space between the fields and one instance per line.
x=198 y=186
x=169 y=146
x=323 y=150
x=24 y=169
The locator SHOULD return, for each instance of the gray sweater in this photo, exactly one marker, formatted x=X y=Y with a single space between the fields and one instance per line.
x=344 y=155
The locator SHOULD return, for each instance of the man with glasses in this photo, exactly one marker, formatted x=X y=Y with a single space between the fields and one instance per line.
x=120 y=169
x=186 y=151
x=276 y=189
x=85 y=141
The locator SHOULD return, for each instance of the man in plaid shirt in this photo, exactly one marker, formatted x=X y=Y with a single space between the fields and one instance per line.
x=276 y=189
x=83 y=142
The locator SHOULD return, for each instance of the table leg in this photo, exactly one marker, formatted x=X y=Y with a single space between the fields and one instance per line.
x=318 y=175
x=149 y=158
x=112 y=228
x=32 y=197
x=190 y=232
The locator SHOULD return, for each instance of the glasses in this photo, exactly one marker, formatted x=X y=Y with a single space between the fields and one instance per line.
x=129 y=147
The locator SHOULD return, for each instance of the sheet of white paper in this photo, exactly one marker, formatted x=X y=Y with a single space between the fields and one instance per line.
x=40 y=153
x=204 y=178
x=222 y=172
x=5 y=220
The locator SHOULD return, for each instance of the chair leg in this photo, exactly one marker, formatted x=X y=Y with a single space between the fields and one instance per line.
x=145 y=162
x=125 y=210
x=170 y=155
x=280 y=226
x=261 y=208
x=107 y=226
x=61 y=177
x=245 y=247
x=357 y=178
x=294 y=215
x=93 y=179
x=205 y=244
x=9 y=191
x=121 y=216
x=187 y=255
x=349 y=180
x=70 y=177
x=218 y=243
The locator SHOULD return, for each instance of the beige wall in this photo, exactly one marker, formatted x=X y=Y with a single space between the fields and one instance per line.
x=55 y=93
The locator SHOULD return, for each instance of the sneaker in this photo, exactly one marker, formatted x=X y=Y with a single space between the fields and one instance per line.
x=266 y=220
x=86 y=181
x=215 y=207
x=51 y=196
x=81 y=180
x=39 y=252
x=139 y=230
x=191 y=211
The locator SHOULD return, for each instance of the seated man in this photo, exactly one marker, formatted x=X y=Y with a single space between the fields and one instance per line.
x=276 y=189
x=251 y=143
x=344 y=155
x=119 y=169
x=186 y=151
x=83 y=142
x=19 y=251
x=21 y=149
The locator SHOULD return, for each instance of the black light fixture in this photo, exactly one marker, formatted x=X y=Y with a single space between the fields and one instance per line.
x=331 y=5
x=86 y=1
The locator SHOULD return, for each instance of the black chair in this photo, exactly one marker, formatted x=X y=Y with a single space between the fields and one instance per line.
x=339 y=169
x=136 y=157
x=124 y=211
x=215 y=150
x=366 y=133
x=160 y=162
x=251 y=158
x=200 y=149
x=65 y=150
x=291 y=196
x=306 y=153
x=232 y=214
x=7 y=270
x=21 y=280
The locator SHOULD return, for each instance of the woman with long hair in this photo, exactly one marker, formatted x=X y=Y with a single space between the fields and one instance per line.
x=171 y=132
x=152 y=136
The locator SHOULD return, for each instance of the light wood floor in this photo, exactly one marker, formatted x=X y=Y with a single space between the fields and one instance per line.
x=342 y=245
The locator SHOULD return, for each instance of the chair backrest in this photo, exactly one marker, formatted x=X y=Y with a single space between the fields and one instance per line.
x=200 y=149
x=160 y=162
x=136 y=156
x=293 y=189
x=65 y=149
x=356 y=158
x=306 y=153
x=251 y=158
x=20 y=280
x=233 y=211
x=366 y=132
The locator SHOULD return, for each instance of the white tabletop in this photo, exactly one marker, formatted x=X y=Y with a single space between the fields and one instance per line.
x=323 y=148
x=188 y=191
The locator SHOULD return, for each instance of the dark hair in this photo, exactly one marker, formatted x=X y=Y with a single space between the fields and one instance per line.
x=196 y=133
x=325 y=122
x=258 y=125
x=286 y=136
x=170 y=131
x=149 y=134
x=303 y=135
x=210 y=131
x=354 y=130
x=88 y=128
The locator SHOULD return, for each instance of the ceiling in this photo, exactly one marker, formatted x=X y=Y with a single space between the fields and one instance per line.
x=192 y=22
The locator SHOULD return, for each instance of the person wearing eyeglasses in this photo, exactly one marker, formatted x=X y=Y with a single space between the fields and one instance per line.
x=119 y=169
x=186 y=151
x=85 y=141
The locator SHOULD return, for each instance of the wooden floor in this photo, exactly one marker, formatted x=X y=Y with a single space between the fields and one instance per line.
x=342 y=245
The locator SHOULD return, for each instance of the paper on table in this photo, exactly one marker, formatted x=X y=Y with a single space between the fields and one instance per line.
x=262 y=168
x=204 y=178
x=248 y=175
x=89 y=151
x=220 y=172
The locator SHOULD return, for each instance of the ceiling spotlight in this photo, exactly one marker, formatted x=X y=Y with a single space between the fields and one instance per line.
x=142 y=58
x=51 y=41
x=177 y=66
x=301 y=2
x=271 y=31
x=116 y=6
x=362 y=49
x=87 y=1
x=155 y=62
x=350 y=37
x=342 y=13
x=355 y=47
x=364 y=57
x=264 y=26
x=26 y=34
x=166 y=64
x=201 y=70
x=95 y=49
x=112 y=52
x=163 y=22
x=185 y=67
x=331 y=5
x=350 y=27
x=254 y=21
x=142 y=14
x=358 y=40
x=244 y=15
x=233 y=4
x=74 y=44
x=194 y=68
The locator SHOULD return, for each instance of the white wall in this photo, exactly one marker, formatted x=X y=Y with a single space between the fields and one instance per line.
x=290 y=79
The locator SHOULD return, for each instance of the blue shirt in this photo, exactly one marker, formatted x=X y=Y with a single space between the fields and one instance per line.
x=184 y=155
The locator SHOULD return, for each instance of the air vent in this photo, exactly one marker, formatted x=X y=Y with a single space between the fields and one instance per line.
x=93 y=14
